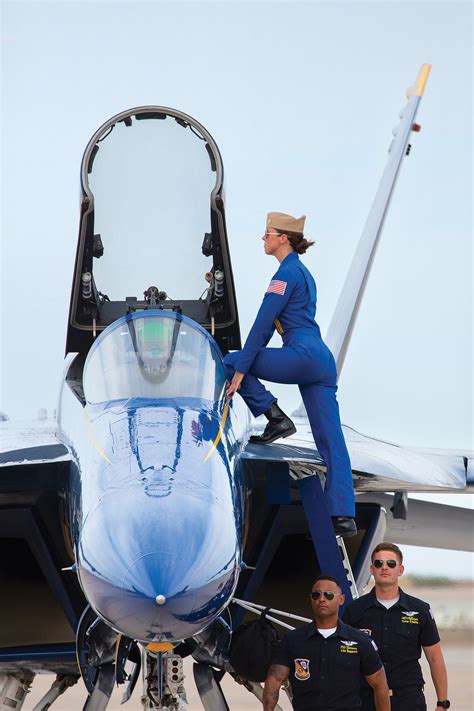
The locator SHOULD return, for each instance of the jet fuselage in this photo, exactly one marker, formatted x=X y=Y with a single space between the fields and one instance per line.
x=157 y=489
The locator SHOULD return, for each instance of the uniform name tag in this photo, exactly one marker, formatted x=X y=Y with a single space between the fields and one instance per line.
x=348 y=647
x=410 y=617
x=277 y=287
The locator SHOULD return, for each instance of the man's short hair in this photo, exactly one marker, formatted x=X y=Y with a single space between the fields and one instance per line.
x=328 y=577
x=387 y=547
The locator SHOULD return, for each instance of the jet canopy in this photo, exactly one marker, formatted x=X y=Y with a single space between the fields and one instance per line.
x=152 y=228
x=153 y=355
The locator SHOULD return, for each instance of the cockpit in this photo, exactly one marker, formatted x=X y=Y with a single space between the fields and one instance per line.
x=152 y=228
x=157 y=355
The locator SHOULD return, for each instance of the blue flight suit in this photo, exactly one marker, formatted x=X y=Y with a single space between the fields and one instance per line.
x=290 y=306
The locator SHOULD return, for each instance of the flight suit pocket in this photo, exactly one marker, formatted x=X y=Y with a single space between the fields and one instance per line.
x=406 y=635
x=404 y=630
x=348 y=661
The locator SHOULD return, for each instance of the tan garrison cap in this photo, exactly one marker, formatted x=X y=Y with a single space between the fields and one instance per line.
x=280 y=221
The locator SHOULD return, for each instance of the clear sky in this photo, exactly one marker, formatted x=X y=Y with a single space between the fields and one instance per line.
x=301 y=99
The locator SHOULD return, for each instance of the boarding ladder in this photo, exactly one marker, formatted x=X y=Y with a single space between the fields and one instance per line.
x=330 y=549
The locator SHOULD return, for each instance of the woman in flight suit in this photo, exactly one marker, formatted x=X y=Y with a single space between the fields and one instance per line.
x=289 y=306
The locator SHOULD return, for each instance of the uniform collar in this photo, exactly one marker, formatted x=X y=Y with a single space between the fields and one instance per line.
x=341 y=630
x=289 y=258
x=401 y=602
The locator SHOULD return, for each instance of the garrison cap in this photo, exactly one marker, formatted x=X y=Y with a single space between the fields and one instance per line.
x=281 y=221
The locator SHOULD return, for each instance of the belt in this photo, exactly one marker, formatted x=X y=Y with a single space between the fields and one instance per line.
x=406 y=691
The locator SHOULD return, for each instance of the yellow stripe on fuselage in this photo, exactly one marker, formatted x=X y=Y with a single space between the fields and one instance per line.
x=92 y=438
x=219 y=434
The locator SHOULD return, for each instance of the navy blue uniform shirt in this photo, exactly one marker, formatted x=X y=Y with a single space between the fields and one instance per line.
x=291 y=300
x=325 y=672
x=399 y=632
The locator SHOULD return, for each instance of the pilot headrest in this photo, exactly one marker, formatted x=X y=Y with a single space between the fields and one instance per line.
x=283 y=222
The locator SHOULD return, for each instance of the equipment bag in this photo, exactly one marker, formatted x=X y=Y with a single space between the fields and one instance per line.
x=252 y=648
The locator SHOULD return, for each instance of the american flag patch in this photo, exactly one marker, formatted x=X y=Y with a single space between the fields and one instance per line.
x=277 y=287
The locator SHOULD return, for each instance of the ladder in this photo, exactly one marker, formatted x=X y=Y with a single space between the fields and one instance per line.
x=330 y=549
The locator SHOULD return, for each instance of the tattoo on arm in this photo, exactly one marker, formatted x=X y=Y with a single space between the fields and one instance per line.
x=275 y=678
x=278 y=672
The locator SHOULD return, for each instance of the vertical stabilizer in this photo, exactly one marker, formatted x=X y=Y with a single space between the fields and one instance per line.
x=342 y=324
x=345 y=315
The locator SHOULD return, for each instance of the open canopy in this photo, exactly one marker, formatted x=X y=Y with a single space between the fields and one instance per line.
x=152 y=230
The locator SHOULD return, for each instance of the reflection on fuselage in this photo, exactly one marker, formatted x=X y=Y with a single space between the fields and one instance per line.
x=160 y=479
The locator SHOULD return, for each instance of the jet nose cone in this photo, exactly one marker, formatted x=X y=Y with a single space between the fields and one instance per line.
x=160 y=569
x=155 y=600
x=167 y=594
x=160 y=598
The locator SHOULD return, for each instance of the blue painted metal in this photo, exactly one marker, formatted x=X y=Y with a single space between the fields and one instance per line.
x=322 y=531
x=157 y=484
x=277 y=483
x=45 y=652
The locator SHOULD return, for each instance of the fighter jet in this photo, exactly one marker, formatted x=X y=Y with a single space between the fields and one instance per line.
x=130 y=527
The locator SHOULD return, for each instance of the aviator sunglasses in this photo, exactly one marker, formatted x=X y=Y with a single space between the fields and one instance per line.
x=328 y=594
x=378 y=563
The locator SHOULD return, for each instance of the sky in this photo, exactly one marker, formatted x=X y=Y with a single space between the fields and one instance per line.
x=301 y=99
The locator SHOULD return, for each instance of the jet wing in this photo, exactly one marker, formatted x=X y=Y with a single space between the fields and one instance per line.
x=377 y=466
x=35 y=548
x=428 y=524
x=30 y=443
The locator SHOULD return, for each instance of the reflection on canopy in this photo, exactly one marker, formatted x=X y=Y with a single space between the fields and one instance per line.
x=153 y=355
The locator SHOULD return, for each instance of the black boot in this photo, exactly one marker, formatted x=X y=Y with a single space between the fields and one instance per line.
x=279 y=425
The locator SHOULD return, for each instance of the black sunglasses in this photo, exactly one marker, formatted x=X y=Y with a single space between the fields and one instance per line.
x=378 y=563
x=328 y=594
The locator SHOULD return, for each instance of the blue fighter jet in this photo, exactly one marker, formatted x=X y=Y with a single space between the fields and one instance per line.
x=129 y=527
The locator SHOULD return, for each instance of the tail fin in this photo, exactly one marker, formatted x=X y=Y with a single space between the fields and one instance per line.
x=343 y=321
x=342 y=324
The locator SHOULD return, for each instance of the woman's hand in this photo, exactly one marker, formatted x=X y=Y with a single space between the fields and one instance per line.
x=234 y=384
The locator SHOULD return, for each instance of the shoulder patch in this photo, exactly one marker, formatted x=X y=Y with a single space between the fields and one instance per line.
x=277 y=287
x=302 y=669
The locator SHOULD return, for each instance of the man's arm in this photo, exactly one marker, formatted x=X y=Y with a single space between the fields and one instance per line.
x=275 y=678
x=378 y=682
x=434 y=656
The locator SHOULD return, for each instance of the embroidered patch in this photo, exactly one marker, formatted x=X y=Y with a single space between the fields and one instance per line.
x=277 y=287
x=410 y=617
x=302 y=669
x=348 y=647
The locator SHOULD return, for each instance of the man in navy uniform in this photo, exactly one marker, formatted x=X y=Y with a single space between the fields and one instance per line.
x=401 y=626
x=325 y=658
x=289 y=305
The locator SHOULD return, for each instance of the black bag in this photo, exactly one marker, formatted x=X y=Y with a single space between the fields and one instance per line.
x=252 y=648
